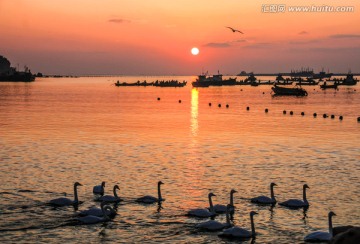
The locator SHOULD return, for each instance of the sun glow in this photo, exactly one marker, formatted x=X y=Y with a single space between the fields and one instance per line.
x=195 y=51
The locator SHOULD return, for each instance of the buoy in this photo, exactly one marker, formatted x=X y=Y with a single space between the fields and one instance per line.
x=284 y=112
x=291 y=112
x=240 y=89
x=227 y=105
x=358 y=119
x=263 y=92
x=340 y=117
x=247 y=108
x=219 y=105
x=332 y=116
x=179 y=101
x=324 y=115
x=315 y=114
x=266 y=110
x=158 y=98
x=210 y=104
x=302 y=113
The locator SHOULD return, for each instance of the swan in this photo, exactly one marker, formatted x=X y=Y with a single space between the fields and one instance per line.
x=220 y=208
x=109 y=198
x=296 y=203
x=265 y=199
x=203 y=212
x=318 y=236
x=98 y=212
x=63 y=201
x=99 y=189
x=151 y=199
x=213 y=225
x=91 y=219
x=237 y=232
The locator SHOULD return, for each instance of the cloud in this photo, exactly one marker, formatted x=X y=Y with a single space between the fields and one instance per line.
x=223 y=44
x=260 y=45
x=337 y=36
x=303 y=33
x=119 y=21
x=304 y=42
x=217 y=44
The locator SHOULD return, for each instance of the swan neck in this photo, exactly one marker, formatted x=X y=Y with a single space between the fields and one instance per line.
x=211 y=205
x=272 y=192
x=232 y=199
x=252 y=225
x=76 y=200
x=304 y=195
x=115 y=194
x=159 y=193
x=330 y=225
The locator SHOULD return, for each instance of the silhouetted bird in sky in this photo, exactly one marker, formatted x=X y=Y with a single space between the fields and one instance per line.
x=234 y=30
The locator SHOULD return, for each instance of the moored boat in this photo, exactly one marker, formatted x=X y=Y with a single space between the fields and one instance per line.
x=327 y=86
x=289 y=91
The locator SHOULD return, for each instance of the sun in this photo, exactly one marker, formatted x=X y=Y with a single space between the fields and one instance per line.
x=195 y=51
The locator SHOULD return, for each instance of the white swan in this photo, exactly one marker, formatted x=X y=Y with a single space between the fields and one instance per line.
x=297 y=203
x=63 y=201
x=98 y=212
x=265 y=199
x=109 y=198
x=203 y=212
x=151 y=199
x=213 y=225
x=237 y=232
x=99 y=189
x=220 y=208
x=91 y=219
x=318 y=236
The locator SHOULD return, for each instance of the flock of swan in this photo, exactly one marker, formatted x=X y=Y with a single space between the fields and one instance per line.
x=105 y=212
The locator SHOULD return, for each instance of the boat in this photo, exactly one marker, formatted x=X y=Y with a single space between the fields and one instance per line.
x=307 y=82
x=201 y=81
x=138 y=83
x=169 y=83
x=327 y=86
x=349 y=80
x=216 y=80
x=289 y=91
x=280 y=80
x=322 y=74
x=302 y=73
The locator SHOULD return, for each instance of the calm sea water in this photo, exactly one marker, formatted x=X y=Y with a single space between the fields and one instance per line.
x=56 y=131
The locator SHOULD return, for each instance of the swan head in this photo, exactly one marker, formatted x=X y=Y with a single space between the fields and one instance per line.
x=160 y=183
x=103 y=184
x=331 y=213
x=232 y=191
x=272 y=184
x=116 y=187
x=211 y=194
x=252 y=213
x=306 y=186
x=77 y=184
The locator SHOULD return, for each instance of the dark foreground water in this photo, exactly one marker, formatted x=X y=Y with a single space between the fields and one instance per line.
x=54 y=132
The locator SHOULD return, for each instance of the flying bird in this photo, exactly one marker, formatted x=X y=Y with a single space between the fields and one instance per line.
x=234 y=30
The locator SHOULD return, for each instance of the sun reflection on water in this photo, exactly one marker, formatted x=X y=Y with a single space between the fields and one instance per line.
x=194 y=112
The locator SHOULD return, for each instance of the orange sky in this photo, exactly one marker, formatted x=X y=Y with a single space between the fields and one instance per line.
x=154 y=37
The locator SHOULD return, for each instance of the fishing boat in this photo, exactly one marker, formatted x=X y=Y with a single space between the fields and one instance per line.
x=349 y=80
x=288 y=91
x=307 y=82
x=201 y=81
x=327 y=86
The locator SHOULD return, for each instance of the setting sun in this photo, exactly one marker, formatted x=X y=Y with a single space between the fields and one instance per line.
x=195 y=51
